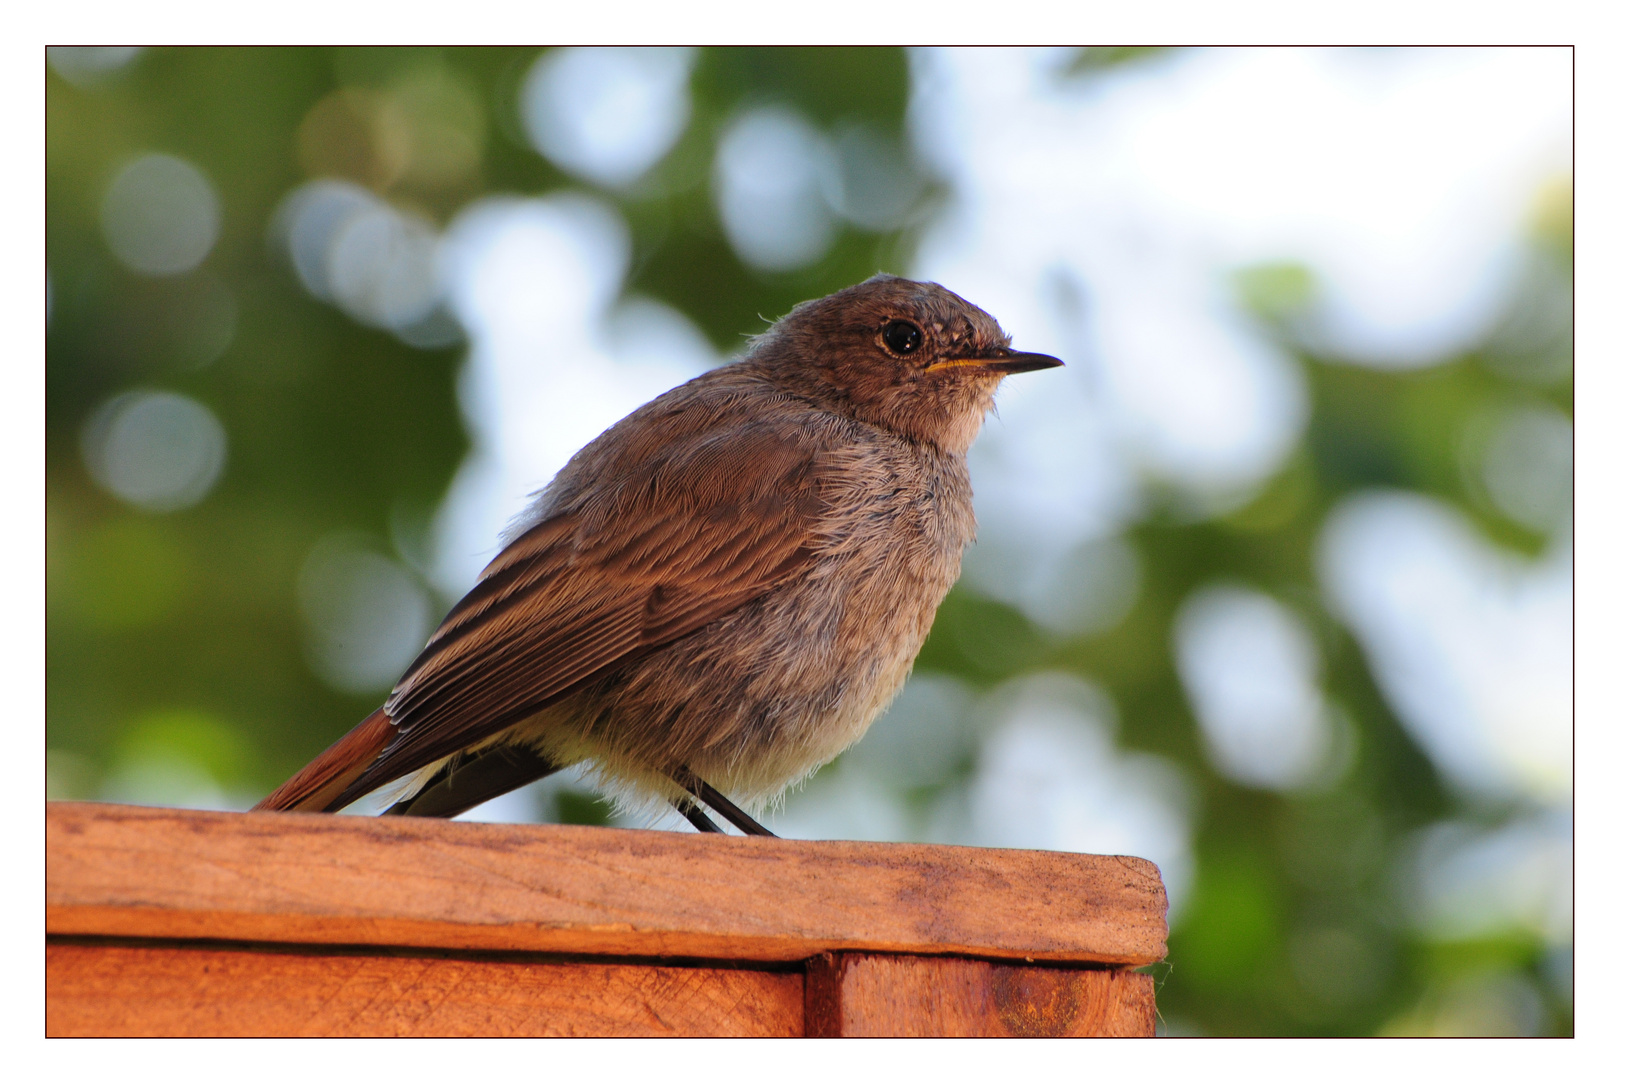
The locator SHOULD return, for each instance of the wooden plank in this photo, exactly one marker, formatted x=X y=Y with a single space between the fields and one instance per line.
x=140 y=872
x=95 y=990
x=855 y=995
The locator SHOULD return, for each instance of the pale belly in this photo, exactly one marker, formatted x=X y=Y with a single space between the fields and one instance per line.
x=761 y=698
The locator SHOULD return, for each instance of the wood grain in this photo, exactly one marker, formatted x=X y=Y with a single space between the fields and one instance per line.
x=854 y=995
x=94 y=990
x=140 y=872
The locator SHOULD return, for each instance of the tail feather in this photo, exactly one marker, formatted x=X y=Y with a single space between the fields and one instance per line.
x=314 y=787
x=470 y=781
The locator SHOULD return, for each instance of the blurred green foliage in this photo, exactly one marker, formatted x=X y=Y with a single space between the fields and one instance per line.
x=179 y=634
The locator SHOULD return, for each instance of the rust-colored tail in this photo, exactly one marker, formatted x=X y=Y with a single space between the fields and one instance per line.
x=316 y=785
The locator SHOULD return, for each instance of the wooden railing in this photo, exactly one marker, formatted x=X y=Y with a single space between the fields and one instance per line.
x=173 y=922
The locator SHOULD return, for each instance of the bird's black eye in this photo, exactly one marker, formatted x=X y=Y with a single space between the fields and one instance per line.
x=901 y=336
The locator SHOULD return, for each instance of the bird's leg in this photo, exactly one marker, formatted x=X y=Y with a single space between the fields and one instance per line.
x=719 y=802
x=697 y=817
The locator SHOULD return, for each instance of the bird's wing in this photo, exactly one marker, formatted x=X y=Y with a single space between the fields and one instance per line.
x=680 y=539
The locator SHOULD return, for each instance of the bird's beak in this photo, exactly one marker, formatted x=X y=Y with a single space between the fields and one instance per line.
x=999 y=362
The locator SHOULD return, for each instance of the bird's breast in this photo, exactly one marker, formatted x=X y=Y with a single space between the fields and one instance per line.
x=769 y=692
x=860 y=616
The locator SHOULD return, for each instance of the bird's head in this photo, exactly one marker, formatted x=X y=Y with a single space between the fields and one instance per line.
x=907 y=356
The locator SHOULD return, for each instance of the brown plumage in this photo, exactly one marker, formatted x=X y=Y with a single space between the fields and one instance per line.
x=721 y=591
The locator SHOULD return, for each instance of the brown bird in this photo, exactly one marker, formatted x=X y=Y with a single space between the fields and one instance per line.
x=725 y=588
